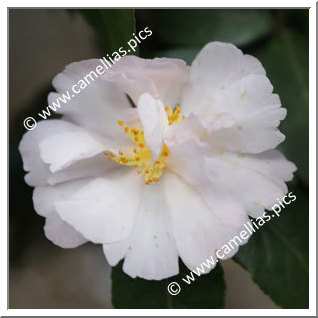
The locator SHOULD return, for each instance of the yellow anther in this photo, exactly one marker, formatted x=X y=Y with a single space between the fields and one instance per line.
x=140 y=157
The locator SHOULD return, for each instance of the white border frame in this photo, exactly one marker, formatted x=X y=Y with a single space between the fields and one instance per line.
x=163 y=312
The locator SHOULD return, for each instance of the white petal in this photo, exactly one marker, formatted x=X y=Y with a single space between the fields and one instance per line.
x=257 y=181
x=217 y=66
x=161 y=77
x=44 y=197
x=187 y=152
x=29 y=149
x=87 y=167
x=51 y=134
x=56 y=230
x=255 y=113
x=233 y=96
x=191 y=128
x=104 y=210
x=187 y=160
x=154 y=120
x=63 y=149
x=228 y=210
x=197 y=231
x=98 y=106
x=61 y=233
x=150 y=250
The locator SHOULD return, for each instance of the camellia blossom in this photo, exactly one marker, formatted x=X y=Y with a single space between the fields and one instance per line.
x=176 y=176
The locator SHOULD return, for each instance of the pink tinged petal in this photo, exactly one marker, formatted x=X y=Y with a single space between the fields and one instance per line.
x=198 y=232
x=161 y=77
x=61 y=233
x=98 y=106
x=154 y=120
x=149 y=251
x=257 y=181
x=104 y=210
x=228 y=210
x=56 y=230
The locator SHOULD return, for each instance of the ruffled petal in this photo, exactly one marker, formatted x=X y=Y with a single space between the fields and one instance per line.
x=256 y=113
x=217 y=66
x=232 y=95
x=161 y=77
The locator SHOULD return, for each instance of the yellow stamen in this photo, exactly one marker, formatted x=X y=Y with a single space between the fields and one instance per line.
x=141 y=155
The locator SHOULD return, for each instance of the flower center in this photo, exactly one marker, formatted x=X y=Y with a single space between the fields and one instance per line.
x=140 y=156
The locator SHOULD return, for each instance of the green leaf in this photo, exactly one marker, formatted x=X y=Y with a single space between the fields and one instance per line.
x=286 y=62
x=277 y=254
x=114 y=26
x=207 y=291
x=197 y=27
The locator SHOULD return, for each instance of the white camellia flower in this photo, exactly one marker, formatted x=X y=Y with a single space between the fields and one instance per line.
x=176 y=176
